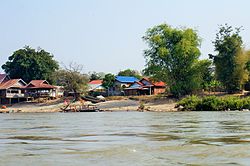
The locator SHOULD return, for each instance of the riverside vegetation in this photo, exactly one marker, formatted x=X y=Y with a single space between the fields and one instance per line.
x=213 y=103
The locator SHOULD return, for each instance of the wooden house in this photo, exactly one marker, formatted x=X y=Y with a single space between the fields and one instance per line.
x=122 y=82
x=11 y=91
x=96 y=86
x=40 y=89
x=145 y=87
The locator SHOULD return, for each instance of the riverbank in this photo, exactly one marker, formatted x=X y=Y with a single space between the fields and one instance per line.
x=138 y=103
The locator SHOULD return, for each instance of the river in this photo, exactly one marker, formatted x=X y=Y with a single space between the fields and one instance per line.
x=125 y=138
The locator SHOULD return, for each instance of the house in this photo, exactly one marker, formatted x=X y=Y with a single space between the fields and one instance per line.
x=59 y=91
x=40 y=89
x=122 y=82
x=11 y=91
x=145 y=87
x=96 y=86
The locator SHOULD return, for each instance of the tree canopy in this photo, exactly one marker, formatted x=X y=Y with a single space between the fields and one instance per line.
x=30 y=64
x=72 y=79
x=96 y=76
x=230 y=60
x=130 y=72
x=108 y=80
x=171 y=57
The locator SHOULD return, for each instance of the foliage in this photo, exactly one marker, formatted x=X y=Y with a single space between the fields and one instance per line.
x=96 y=76
x=108 y=80
x=30 y=64
x=130 y=72
x=190 y=103
x=231 y=59
x=171 y=57
x=72 y=79
x=213 y=103
x=213 y=86
x=206 y=72
x=210 y=103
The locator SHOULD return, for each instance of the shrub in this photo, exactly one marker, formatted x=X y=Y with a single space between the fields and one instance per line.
x=246 y=103
x=233 y=103
x=211 y=103
x=189 y=103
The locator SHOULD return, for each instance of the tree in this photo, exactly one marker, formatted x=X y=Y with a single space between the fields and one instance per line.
x=72 y=79
x=171 y=57
x=231 y=58
x=206 y=72
x=130 y=72
x=30 y=64
x=108 y=80
x=96 y=76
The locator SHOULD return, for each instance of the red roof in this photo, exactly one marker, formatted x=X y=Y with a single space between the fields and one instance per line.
x=159 y=83
x=95 y=82
x=36 y=84
x=12 y=83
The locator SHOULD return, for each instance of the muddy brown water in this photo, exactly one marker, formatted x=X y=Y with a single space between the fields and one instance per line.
x=125 y=138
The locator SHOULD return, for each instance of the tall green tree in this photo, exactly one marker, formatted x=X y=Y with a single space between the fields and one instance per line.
x=171 y=57
x=230 y=60
x=205 y=70
x=108 y=80
x=96 y=76
x=30 y=64
x=130 y=72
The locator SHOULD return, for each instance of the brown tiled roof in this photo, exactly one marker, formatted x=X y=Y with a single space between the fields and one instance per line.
x=35 y=84
x=11 y=83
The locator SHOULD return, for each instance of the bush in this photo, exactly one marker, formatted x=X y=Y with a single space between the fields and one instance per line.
x=189 y=103
x=233 y=103
x=213 y=103
x=210 y=103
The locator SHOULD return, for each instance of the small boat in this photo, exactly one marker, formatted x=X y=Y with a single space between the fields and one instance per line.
x=92 y=99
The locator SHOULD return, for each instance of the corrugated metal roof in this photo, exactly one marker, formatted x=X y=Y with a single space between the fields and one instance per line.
x=150 y=81
x=15 y=83
x=39 y=84
x=126 y=79
x=95 y=82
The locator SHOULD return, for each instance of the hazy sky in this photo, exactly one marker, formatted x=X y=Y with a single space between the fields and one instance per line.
x=106 y=35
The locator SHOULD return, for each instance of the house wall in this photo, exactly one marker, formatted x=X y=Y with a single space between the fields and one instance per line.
x=118 y=88
x=131 y=92
x=158 y=90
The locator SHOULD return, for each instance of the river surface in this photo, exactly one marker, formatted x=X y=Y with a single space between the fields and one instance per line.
x=125 y=138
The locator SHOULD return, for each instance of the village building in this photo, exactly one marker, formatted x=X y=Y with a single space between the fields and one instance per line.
x=145 y=87
x=40 y=89
x=11 y=91
x=96 y=86
x=121 y=82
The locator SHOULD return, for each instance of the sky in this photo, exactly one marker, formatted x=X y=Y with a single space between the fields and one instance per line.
x=106 y=35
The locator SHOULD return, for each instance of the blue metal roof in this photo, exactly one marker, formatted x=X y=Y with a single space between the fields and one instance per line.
x=126 y=79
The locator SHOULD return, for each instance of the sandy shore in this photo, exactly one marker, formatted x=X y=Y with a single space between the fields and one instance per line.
x=132 y=105
x=114 y=105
